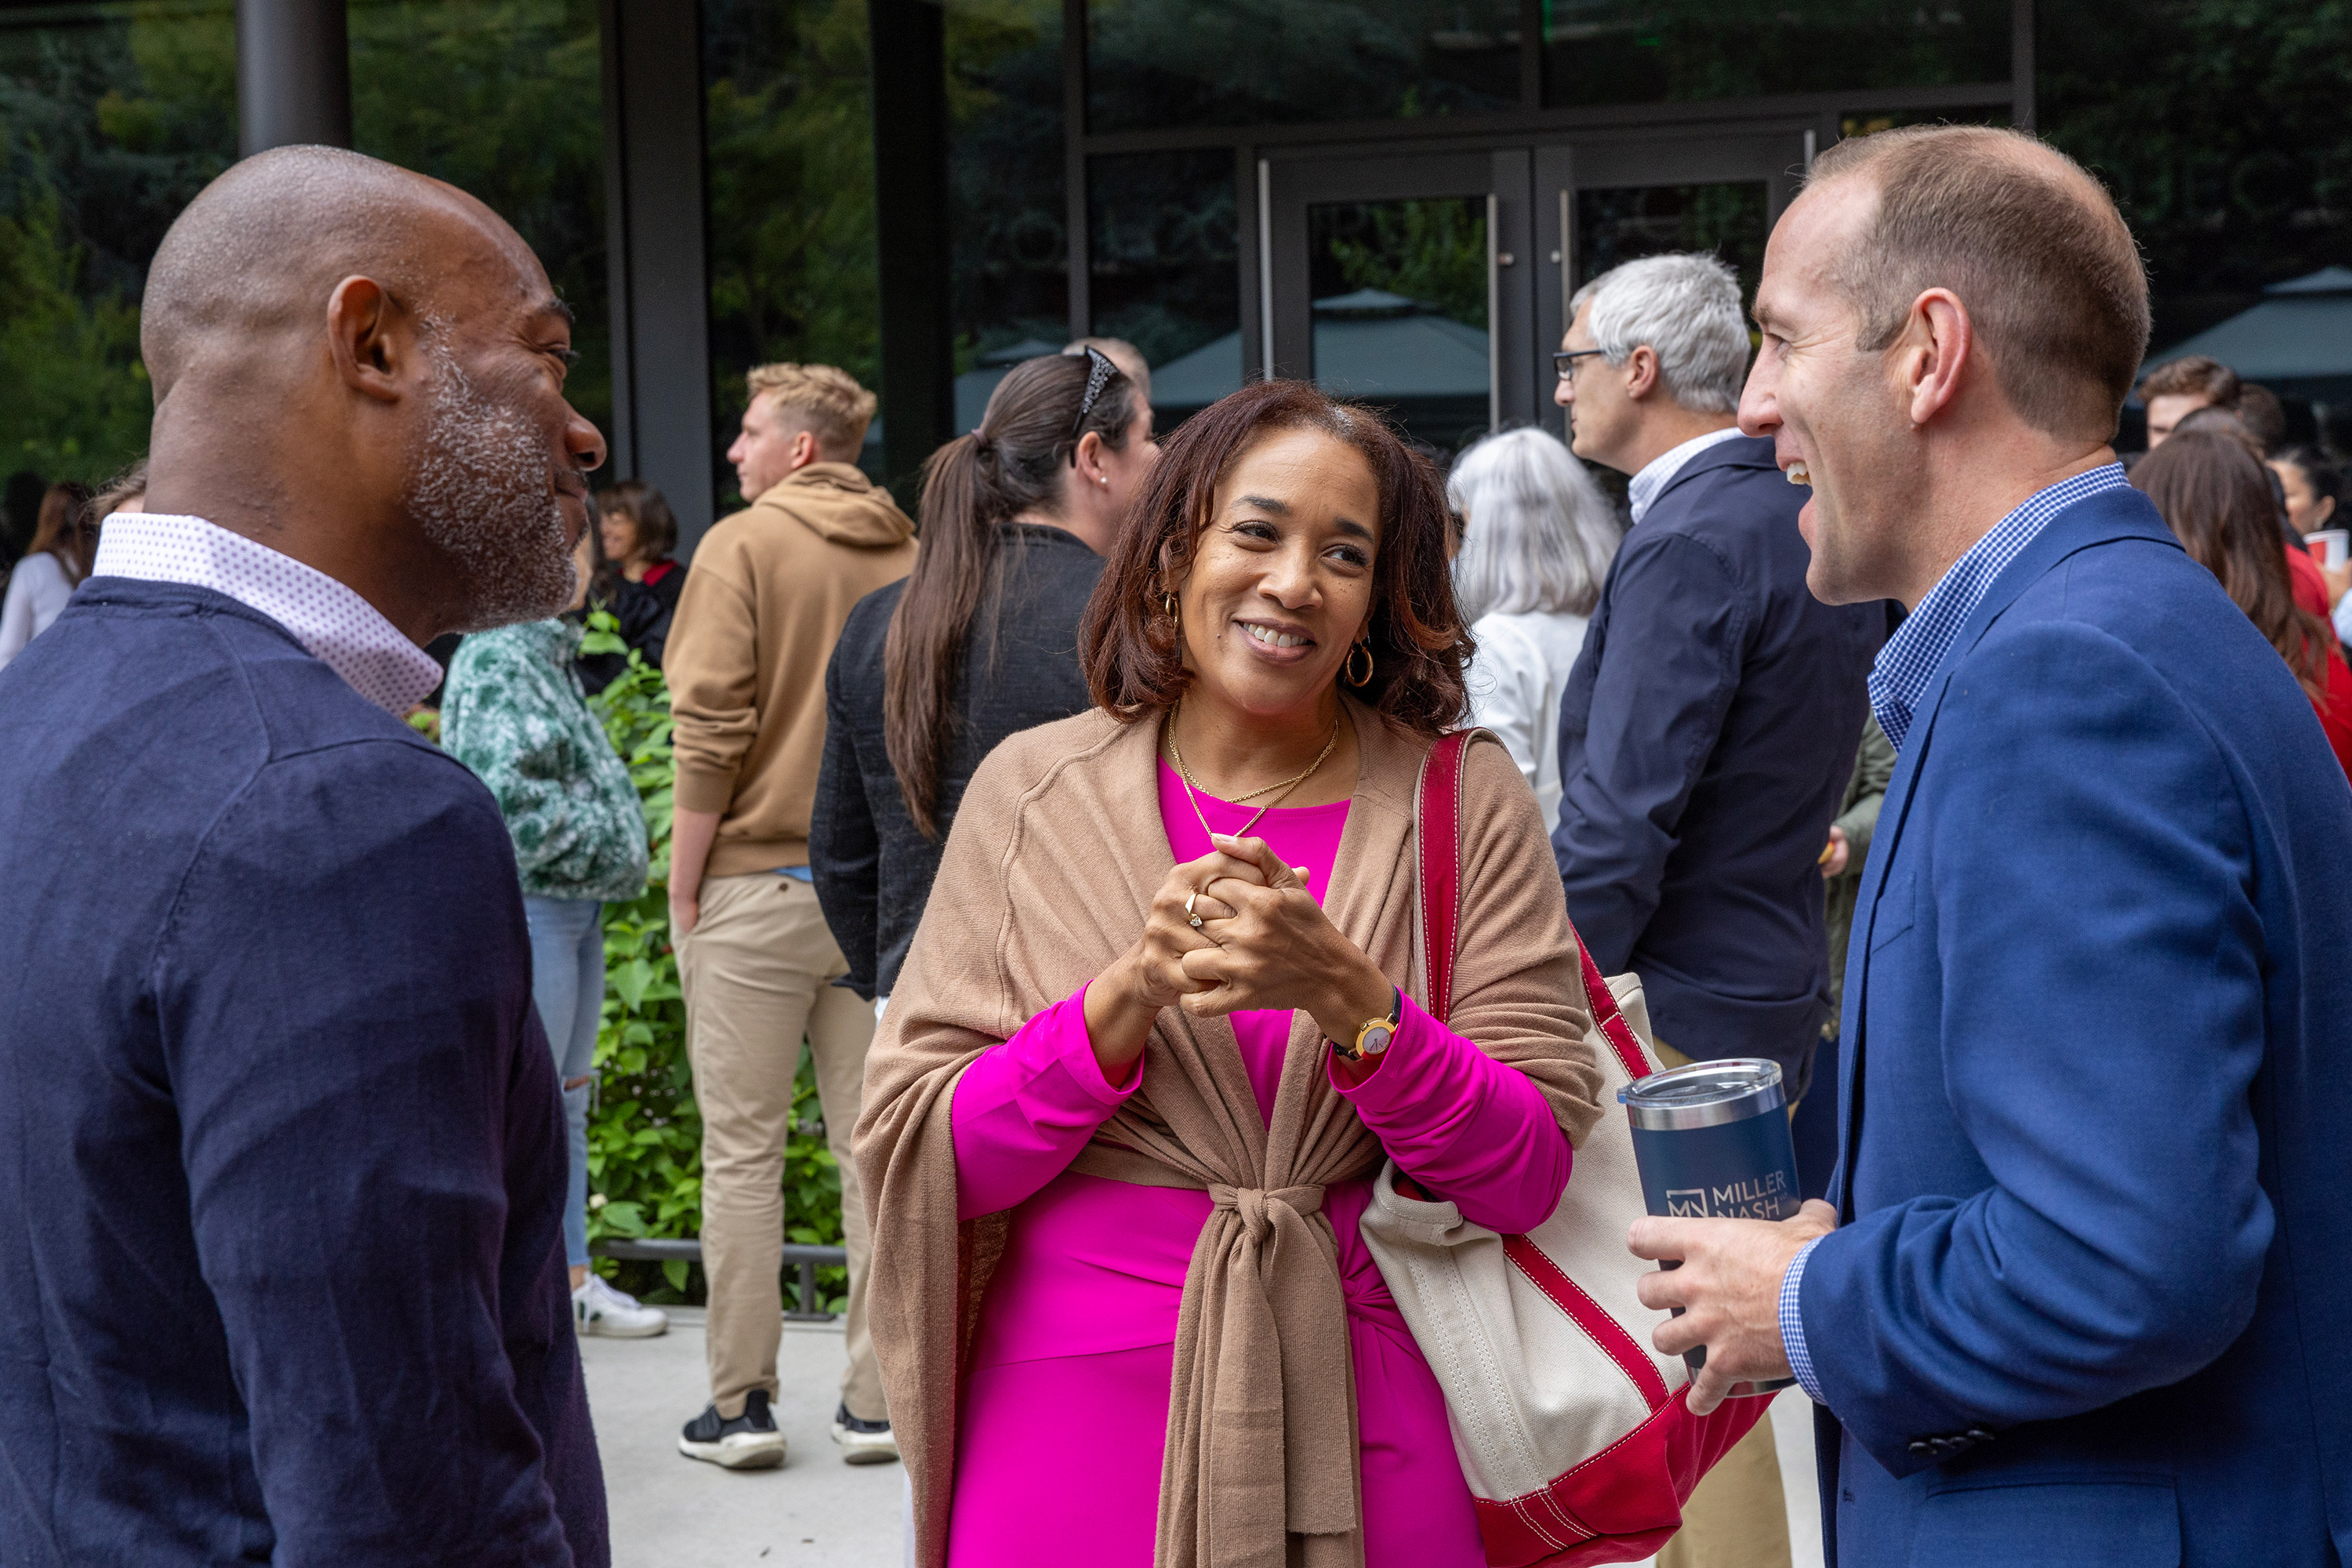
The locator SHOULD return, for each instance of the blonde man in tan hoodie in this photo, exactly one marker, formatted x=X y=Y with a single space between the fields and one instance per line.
x=762 y=605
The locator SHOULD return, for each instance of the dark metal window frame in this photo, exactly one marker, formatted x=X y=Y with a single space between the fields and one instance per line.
x=1530 y=121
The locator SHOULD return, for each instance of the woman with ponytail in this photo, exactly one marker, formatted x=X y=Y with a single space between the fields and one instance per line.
x=980 y=642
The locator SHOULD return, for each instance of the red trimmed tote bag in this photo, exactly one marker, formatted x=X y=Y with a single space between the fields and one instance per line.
x=1574 y=1433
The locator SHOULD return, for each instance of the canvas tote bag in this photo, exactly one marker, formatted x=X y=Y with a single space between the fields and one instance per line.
x=1573 y=1432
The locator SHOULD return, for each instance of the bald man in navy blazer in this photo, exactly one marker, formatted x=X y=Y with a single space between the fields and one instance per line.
x=2078 y=1295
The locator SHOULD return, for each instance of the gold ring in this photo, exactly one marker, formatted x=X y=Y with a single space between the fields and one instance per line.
x=1190 y=916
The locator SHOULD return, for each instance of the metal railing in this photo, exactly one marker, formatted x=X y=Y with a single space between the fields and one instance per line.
x=809 y=1260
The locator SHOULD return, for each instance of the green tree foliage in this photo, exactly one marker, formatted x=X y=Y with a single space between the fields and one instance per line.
x=1008 y=214
x=1432 y=249
x=1656 y=51
x=110 y=119
x=2220 y=126
x=645 y=1136
x=788 y=135
x=1162 y=63
x=79 y=401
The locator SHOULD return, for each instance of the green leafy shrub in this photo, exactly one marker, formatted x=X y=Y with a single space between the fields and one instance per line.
x=645 y=1136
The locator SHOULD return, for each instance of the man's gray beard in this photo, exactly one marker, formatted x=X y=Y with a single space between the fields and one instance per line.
x=482 y=493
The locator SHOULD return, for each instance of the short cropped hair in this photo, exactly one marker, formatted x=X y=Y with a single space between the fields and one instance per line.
x=1686 y=306
x=2265 y=415
x=827 y=401
x=2031 y=244
x=1542 y=532
x=1132 y=648
x=2194 y=375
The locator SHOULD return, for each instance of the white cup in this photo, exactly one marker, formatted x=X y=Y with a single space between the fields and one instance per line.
x=2331 y=545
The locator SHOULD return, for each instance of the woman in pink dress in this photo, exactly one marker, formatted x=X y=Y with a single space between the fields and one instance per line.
x=1158 y=1029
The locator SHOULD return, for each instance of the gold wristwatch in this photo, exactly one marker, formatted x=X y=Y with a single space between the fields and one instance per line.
x=1374 y=1038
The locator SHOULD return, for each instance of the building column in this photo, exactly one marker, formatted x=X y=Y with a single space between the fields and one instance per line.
x=657 y=272
x=908 y=50
x=293 y=75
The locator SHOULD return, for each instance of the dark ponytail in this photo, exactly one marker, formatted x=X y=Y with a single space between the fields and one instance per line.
x=1012 y=464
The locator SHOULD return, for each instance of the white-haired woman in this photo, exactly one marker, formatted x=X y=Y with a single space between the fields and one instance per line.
x=1538 y=538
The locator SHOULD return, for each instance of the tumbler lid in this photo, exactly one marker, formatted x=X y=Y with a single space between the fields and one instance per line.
x=1704 y=1094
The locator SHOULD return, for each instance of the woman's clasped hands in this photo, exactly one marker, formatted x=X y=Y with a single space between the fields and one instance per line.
x=1231 y=931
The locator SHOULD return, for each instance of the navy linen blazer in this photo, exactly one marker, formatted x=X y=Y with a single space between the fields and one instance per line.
x=1706 y=734
x=2087 y=1302
x=281 y=1187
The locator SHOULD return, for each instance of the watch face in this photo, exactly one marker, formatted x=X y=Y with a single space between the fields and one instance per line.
x=1376 y=1039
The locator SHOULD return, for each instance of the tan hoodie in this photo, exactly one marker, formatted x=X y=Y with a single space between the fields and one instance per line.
x=763 y=603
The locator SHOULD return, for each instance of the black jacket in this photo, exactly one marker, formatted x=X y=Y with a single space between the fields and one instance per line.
x=873 y=870
x=1705 y=738
x=643 y=620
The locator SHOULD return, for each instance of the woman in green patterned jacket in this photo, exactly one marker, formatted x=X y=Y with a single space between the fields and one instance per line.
x=514 y=712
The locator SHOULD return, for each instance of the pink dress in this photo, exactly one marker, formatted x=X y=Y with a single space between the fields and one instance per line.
x=1065 y=1405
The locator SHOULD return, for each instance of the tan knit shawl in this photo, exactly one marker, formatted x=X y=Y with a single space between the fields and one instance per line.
x=1056 y=852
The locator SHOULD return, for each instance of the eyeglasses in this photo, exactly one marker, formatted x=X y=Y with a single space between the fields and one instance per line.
x=1565 y=362
x=1100 y=370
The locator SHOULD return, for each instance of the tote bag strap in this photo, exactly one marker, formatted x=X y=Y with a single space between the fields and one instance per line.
x=1437 y=818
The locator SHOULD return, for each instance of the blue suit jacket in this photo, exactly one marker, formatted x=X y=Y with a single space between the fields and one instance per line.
x=1707 y=733
x=2095 y=1111
x=282 y=1146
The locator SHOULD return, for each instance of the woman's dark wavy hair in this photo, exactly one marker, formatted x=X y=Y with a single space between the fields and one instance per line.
x=1132 y=648
x=1015 y=462
x=2217 y=499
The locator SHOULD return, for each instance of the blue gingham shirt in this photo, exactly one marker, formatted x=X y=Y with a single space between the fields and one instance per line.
x=1897 y=681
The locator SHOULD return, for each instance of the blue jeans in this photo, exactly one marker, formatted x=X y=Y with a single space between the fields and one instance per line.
x=567 y=984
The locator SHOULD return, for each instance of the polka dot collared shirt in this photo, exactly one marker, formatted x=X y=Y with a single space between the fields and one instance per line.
x=337 y=626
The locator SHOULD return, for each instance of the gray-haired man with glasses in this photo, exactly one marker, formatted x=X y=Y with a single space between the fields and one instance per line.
x=1706 y=735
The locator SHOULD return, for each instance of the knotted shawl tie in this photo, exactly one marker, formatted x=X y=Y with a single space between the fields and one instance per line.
x=1261 y=1413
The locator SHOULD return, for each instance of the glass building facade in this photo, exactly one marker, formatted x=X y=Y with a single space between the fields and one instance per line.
x=1395 y=197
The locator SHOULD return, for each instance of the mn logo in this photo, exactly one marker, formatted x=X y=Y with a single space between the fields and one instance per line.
x=1687 y=1203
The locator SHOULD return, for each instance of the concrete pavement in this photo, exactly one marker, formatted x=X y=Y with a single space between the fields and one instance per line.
x=670 y=1511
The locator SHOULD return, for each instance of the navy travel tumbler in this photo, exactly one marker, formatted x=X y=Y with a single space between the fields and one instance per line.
x=1712 y=1142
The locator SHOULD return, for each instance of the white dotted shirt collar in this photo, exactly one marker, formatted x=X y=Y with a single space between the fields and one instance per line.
x=337 y=626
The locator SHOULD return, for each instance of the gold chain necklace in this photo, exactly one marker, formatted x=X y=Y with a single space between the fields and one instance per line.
x=1193 y=790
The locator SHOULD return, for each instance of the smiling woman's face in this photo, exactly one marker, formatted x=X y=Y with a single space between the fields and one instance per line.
x=620 y=532
x=1281 y=582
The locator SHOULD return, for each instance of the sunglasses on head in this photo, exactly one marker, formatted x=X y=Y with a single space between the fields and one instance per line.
x=1100 y=370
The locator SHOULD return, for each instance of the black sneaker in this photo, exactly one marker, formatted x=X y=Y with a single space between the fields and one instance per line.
x=748 y=1442
x=862 y=1442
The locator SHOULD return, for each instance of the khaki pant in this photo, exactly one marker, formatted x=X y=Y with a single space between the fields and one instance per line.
x=1737 y=1516
x=758 y=973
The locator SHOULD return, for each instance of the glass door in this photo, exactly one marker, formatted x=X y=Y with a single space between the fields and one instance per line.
x=1435 y=284
x=1386 y=282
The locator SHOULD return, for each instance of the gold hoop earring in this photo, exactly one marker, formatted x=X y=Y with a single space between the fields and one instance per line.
x=1349 y=668
x=1167 y=605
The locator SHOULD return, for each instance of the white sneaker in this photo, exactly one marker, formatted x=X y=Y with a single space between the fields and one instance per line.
x=863 y=1442
x=598 y=1308
x=748 y=1442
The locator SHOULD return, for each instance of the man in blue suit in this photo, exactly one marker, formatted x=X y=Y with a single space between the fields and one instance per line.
x=283 y=1175
x=2083 y=1302
x=1707 y=733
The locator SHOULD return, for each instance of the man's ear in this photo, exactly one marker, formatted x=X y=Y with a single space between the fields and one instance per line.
x=806 y=451
x=372 y=339
x=1641 y=372
x=1932 y=356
